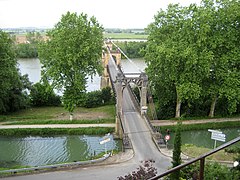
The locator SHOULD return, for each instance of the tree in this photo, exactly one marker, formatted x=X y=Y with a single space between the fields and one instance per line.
x=71 y=54
x=223 y=42
x=177 y=152
x=13 y=85
x=173 y=56
x=193 y=53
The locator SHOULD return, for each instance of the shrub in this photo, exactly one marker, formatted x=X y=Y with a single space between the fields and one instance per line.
x=107 y=96
x=43 y=95
x=93 y=99
x=98 y=98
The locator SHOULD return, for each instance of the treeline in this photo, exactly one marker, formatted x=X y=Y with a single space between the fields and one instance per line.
x=133 y=49
x=193 y=59
x=118 y=30
x=28 y=49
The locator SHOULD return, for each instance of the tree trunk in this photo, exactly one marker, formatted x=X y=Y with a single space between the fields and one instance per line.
x=213 y=105
x=178 y=108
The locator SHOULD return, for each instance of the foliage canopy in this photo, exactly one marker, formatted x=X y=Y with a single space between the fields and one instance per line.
x=71 y=54
x=193 y=56
x=13 y=85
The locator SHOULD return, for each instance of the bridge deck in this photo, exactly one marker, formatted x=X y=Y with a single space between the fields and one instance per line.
x=138 y=131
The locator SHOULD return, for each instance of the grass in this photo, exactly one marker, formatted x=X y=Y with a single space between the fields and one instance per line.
x=194 y=151
x=213 y=125
x=41 y=114
x=125 y=36
x=32 y=122
x=56 y=131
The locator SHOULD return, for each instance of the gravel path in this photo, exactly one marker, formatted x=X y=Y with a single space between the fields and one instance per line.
x=174 y=122
x=56 y=126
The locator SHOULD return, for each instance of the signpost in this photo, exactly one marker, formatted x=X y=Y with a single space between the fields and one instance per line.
x=217 y=136
x=167 y=138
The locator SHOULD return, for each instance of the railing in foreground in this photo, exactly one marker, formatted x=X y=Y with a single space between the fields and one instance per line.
x=201 y=159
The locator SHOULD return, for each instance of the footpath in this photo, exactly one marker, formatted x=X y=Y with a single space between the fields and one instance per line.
x=55 y=126
x=201 y=121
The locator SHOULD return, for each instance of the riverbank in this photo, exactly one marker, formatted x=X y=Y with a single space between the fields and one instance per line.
x=188 y=125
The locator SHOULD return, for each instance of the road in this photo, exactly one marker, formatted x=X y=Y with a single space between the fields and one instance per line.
x=143 y=146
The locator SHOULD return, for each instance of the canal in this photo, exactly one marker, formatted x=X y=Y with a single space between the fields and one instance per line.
x=37 y=151
x=202 y=138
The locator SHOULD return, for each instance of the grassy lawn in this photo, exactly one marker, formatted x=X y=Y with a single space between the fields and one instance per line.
x=194 y=151
x=58 y=115
x=125 y=36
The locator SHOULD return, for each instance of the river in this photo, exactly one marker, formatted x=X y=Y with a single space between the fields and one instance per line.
x=32 y=67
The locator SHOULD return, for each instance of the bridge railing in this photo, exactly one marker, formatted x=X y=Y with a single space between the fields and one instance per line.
x=201 y=159
x=112 y=82
x=126 y=141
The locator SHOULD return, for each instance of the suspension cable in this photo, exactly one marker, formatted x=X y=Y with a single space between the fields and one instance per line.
x=126 y=56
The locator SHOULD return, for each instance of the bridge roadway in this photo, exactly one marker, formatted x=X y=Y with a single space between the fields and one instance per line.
x=143 y=146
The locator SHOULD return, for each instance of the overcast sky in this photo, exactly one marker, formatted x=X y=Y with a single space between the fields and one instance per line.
x=109 y=13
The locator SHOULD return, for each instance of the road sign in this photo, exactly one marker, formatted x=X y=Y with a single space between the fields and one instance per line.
x=167 y=137
x=217 y=136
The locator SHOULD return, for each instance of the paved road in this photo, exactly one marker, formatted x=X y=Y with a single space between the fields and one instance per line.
x=143 y=146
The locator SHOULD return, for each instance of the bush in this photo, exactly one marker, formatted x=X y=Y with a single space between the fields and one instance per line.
x=107 y=96
x=93 y=99
x=211 y=171
x=43 y=95
x=98 y=98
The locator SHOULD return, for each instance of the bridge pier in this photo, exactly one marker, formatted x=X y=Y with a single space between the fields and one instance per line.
x=143 y=93
x=119 y=94
x=105 y=79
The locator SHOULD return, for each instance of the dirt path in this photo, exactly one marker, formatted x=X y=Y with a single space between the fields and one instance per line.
x=174 y=122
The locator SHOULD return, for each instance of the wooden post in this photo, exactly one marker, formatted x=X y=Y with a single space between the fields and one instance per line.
x=201 y=173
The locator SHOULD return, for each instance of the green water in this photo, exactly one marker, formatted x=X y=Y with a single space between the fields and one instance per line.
x=36 y=151
x=202 y=138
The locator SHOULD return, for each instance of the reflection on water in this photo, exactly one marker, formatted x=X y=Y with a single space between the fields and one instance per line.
x=36 y=151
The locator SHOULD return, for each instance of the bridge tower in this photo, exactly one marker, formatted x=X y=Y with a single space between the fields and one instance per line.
x=116 y=54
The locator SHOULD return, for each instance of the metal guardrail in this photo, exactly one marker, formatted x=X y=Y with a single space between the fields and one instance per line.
x=201 y=159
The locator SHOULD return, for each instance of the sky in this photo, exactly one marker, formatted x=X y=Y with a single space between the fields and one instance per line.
x=109 y=13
